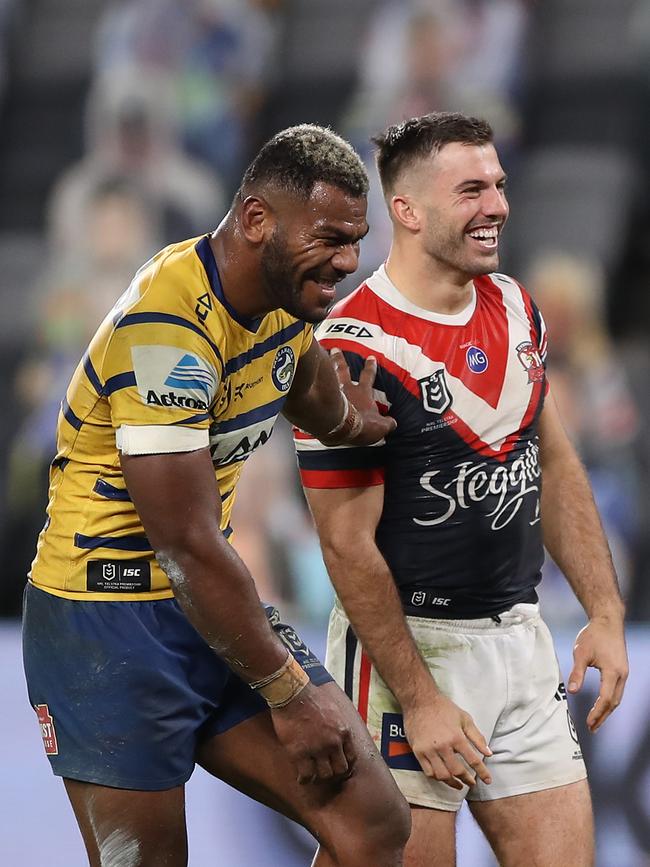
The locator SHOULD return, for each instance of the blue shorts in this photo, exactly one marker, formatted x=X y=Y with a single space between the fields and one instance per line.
x=126 y=691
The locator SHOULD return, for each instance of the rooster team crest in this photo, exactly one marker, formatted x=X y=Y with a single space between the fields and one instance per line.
x=531 y=361
x=435 y=393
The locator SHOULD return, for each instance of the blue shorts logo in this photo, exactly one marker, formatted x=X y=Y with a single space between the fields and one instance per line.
x=395 y=749
x=283 y=369
x=477 y=360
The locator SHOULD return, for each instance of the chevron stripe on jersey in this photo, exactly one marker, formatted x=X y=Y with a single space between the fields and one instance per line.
x=172 y=368
x=461 y=471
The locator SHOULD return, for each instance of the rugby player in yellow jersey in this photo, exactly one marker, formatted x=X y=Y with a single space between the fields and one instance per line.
x=147 y=649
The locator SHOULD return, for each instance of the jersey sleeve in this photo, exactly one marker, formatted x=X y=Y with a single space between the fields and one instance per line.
x=343 y=466
x=160 y=375
x=307 y=339
x=539 y=328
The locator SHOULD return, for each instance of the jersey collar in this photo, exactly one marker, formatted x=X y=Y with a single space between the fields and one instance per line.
x=205 y=254
x=381 y=285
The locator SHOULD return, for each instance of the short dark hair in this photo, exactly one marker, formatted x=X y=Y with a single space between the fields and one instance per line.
x=403 y=144
x=298 y=157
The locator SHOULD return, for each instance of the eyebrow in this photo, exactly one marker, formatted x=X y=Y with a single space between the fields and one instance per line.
x=480 y=182
x=347 y=237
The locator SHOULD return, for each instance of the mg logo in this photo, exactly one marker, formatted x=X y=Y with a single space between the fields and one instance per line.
x=109 y=571
x=435 y=393
x=476 y=359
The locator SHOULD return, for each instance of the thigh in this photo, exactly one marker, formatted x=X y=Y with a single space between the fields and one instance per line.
x=467 y=669
x=551 y=828
x=433 y=839
x=534 y=743
x=127 y=828
x=361 y=821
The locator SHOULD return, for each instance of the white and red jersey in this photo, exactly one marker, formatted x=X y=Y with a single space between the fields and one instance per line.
x=460 y=528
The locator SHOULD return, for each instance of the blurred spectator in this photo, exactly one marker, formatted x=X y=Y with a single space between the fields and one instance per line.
x=590 y=385
x=434 y=55
x=7 y=11
x=131 y=133
x=219 y=56
x=274 y=533
x=117 y=232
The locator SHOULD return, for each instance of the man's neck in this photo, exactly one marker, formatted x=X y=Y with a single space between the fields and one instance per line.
x=238 y=270
x=428 y=284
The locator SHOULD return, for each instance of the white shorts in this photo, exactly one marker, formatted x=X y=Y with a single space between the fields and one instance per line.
x=505 y=675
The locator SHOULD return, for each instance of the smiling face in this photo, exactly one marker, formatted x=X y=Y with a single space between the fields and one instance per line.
x=314 y=245
x=459 y=197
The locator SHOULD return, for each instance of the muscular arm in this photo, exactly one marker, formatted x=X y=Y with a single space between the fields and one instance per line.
x=315 y=403
x=177 y=499
x=347 y=520
x=574 y=537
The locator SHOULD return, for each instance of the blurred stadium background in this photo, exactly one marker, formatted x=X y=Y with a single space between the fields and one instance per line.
x=125 y=125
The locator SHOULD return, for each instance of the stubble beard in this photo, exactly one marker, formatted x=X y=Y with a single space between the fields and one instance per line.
x=445 y=246
x=280 y=282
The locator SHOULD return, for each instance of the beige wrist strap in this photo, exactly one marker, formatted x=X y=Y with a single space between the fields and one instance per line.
x=349 y=426
x=279 y=688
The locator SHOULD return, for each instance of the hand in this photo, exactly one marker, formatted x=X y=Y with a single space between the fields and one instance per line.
x=317 y=738
x=601 y=645
x=375 y=426
x=447 y=743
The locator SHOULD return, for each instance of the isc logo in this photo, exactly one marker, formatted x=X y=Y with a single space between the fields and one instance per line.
x=131 y=572
x=348 y=328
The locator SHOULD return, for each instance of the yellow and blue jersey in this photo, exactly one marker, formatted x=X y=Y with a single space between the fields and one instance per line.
x=172 y=368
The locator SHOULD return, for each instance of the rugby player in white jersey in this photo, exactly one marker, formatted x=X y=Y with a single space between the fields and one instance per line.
x=146 y=647
x=434 y=539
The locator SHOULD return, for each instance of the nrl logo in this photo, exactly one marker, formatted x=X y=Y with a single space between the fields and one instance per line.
x=435 y=393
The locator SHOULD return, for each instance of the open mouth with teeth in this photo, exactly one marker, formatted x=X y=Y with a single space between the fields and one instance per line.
x=486 y=236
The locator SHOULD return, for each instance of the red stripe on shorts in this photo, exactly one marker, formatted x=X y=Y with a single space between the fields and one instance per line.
x=364 y=686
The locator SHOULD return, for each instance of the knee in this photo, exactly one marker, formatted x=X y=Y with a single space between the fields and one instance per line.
x=379 y=832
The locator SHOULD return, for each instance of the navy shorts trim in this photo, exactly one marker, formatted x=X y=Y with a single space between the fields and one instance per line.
x=125 y=691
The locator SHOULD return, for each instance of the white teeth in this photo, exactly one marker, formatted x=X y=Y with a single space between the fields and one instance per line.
x=482 y=234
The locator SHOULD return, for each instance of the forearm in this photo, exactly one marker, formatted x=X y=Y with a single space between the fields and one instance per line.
x=574 y=537
x=217 y=593
x=320 y=406
x=368 y=594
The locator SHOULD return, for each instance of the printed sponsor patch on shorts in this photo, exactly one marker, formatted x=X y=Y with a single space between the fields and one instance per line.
x=48 y=732
x=395 y=749
x=118 y=576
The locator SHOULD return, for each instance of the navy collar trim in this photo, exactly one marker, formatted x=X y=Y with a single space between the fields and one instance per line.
x=205 y=254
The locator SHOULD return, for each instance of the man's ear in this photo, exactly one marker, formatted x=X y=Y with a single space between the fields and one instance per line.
x=405 y=212
x=256 y=219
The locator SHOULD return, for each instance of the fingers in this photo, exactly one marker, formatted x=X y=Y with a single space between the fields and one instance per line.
x=341 y=367
x=577 y=676
x=333 y=763
x=441 y=772
x=476 y=738
x=369 y=372
x=461 y=763
x=609 y=697
x=478 y=767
